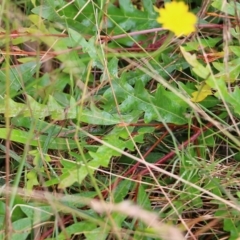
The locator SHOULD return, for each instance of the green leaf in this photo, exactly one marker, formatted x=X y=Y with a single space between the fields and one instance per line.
x=23 y=227
x=42 y=127
x=97 y=116
x=192 y=195
x=2 y=214
x=38 y=141
x=47 y=12
x=232 y=72
x=79 y=228
x=76 y=175
x=32 y=179
x=127 y=7
x=97 y=233
x=143 y=198
x=235 y=50
x=37 y=214
x=213 y=185
x=153 y=106
x=129 y=18
x=122 y=190
x=75 y=172
x=234 y=99
x=190 y=58
x=19 y=76
x=171 y=108
x=231 y=98
x=58 y=112
x=206 y=42
x=228 y=8
x=230 y=226
x=198 y=68
x=87 y=46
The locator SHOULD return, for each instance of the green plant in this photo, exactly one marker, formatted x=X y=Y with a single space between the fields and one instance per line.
x=110 y=107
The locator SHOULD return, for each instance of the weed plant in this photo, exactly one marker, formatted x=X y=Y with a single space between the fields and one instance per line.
x=119 y=119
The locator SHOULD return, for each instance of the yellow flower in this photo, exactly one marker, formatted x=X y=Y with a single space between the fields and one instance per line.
x=176 y=18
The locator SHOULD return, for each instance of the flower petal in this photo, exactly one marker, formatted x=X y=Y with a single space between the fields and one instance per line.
x=176 y=18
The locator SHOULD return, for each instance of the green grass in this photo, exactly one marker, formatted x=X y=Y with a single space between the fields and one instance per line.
x=100 y=135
